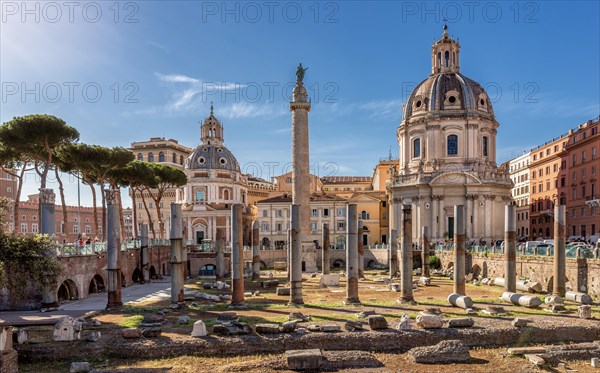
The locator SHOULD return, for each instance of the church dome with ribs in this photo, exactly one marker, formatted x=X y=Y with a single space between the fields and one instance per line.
x=447 y=92
x=211 y=154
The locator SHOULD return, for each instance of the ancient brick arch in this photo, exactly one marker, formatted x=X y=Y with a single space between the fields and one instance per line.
x=67 y=290
x=96 y=284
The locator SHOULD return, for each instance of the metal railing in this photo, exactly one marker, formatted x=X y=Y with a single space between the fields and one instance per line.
x=573 y=251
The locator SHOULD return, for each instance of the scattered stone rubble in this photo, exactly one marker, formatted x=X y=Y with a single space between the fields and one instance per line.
x=450 y=351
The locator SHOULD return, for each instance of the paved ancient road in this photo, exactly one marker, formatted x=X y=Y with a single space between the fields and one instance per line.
x=154 y=291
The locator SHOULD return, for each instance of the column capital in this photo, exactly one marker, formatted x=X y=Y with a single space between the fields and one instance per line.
x=47 y=196
x=111 y=196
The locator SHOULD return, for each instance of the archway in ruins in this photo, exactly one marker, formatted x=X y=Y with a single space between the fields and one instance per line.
x=339 y=263
x=476 y=270
x=152 y=272
x=67 y=291
x=137 y=276
x=96 y=285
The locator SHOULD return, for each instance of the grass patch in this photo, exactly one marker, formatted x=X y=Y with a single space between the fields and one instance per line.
x=136 y=310
x=132 y=321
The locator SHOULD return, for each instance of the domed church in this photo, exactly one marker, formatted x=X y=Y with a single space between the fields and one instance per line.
x=447 y=154
x=214 y=184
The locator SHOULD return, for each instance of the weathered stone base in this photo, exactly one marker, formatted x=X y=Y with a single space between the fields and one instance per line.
x=490 y=333
x=9 y=362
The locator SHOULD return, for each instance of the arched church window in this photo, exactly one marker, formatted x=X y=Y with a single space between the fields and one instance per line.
x=225 y=194
x=439 y=59
x=140 y=157
x=446 y=58
x=452 y=145
x=181 y=160
x=174 y=158
x=150 y=157
x=416 y=148
x=161 y=157
x=486 y=141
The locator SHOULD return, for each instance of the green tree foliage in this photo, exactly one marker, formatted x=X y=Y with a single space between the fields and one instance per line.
x=107 y=168
x=35 y=137
x=5 y=207
x=79 y=159
x=16 y=165
x=140 y=177
x=166 y=177
x=25 y=262
x=434 y=262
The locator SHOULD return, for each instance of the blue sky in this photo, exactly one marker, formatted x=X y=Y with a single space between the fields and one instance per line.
x=159 y=64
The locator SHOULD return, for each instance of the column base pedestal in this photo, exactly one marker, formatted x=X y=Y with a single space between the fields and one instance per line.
x=410 y=301
x=352 y=302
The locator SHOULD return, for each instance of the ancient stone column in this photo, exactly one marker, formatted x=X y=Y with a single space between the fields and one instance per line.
x=325 y=261
x=459 y=250
x=237 y=257
x=361 y=250
x=220 y=252
x=352 y=256
x=48 y=227
x=144 y=253
x=510 y=246
x=289 y=254
x=255 y=252
x=300 y=107
x=425 y=252
x=113 y=248
x=176 y=260
x=393 y=253
x=296 y=259
x=47 y=217
x=560 y=228
x=406 y=259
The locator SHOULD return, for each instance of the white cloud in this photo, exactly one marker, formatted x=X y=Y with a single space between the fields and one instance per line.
x=247 y=110
x=177 y=78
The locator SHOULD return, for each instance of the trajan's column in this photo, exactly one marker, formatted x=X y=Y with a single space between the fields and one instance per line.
x=300 y=106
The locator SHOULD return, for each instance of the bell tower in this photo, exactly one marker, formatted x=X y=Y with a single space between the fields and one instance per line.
x=445 y=55
x=211 y=131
